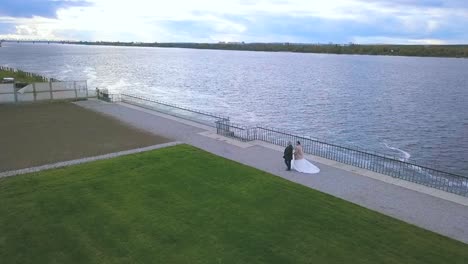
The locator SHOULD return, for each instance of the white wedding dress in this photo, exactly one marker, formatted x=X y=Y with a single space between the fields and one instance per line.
x=302 y=165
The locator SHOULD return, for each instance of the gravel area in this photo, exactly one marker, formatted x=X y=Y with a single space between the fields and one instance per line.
x=35 y=134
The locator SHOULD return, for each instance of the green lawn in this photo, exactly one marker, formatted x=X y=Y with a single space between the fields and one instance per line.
x=183 y=205
x=20 y=76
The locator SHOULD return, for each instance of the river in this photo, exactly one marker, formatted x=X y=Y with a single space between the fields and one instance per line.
x=413 y=108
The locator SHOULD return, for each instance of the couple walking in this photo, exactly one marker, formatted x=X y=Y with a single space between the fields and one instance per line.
x=294 y=159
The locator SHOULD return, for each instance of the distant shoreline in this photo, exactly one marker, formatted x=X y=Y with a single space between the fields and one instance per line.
x=440 y=51
x=449 y=51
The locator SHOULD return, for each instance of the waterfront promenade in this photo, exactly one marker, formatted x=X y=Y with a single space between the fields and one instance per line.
x=428 y=208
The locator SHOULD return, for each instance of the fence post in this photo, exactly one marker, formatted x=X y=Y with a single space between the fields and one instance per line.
x=34 y=91
x=50 y=90
x=15 y=93
x=74 y=88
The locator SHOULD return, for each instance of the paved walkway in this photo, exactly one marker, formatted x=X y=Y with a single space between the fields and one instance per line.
x=85 y=160
x=447 y=216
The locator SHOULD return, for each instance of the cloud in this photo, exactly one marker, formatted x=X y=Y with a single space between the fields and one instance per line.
x=339 y=21
x=32 y=8
x=425 y=3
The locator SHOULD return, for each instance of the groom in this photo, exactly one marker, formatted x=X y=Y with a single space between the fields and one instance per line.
x=288 y=155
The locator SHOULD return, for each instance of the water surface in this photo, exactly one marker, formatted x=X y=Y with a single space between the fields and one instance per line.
x=413 y=108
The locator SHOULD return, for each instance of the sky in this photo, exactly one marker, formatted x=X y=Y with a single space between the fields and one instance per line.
x=298 y=21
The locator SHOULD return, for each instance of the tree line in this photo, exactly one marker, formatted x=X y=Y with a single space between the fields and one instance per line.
x=455 y=51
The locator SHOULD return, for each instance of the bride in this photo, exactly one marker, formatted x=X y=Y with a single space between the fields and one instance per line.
x=300 y=164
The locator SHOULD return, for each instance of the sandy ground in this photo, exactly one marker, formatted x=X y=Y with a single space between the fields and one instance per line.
x=43 y=133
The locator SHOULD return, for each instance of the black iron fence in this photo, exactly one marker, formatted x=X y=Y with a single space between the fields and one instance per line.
x=105 y=95
x=202 y=117
x=365 y=159
x=226 y=128
x=360 y=158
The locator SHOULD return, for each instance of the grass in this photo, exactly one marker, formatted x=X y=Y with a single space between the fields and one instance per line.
x=183 y=205
x=20 y=76
x=42 y=133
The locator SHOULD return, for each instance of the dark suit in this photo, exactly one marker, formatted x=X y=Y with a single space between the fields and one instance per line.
x=288 y=155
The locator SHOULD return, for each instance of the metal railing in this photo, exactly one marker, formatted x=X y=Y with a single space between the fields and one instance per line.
x=105 y=95
x=364 y=159
x=226 y=128
x=360 y=158
x=202 y=117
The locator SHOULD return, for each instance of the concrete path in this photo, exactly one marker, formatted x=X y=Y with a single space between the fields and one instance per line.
x=431 y=209
x=67 y=163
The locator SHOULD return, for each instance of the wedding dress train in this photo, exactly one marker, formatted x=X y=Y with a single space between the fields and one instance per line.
x=304 y=166
x=300 y=164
